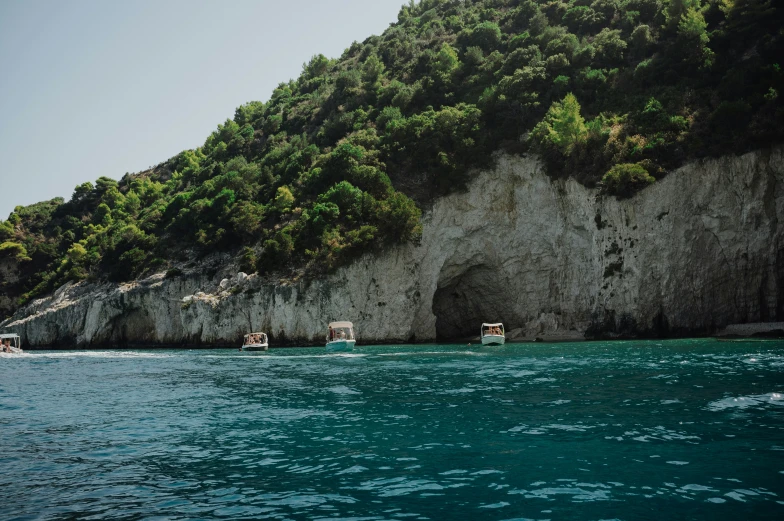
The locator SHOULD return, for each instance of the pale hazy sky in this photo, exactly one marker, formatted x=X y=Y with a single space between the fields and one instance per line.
x=104 y=87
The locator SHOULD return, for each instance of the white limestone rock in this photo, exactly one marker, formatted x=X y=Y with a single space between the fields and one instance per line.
x=698 y=250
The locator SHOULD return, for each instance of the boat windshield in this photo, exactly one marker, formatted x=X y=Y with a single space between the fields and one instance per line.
x=492 y=329
x=254 y=338
x=9 y=341
x=340 y=333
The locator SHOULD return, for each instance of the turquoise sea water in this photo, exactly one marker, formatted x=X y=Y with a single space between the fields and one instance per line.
x=687 y=429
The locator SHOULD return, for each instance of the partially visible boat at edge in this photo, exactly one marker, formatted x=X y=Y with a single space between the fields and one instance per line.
x=11 y=342
x=255 y=342
x=493 y=334
x=340 y=336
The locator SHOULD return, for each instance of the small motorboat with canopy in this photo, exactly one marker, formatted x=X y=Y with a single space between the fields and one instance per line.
x=493 y=334
x=10 y=343
x=255 y=342
x=340 y=336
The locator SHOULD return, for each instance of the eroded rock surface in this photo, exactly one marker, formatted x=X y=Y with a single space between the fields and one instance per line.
x=698 y=250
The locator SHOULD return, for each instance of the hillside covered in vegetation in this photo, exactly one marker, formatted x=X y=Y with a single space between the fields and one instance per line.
x=342 y=159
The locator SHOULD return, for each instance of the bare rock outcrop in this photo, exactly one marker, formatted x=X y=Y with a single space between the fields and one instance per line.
x=700 y=249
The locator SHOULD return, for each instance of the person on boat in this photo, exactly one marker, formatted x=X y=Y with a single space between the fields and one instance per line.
x=331 y=334
x=7 y=346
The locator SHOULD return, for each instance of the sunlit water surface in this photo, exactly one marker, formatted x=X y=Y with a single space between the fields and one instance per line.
x=687 y=429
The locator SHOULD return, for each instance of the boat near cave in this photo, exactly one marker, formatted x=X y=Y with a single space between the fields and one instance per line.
x=10 y=343
x=255 y=342
x=340 y=336
x=493 y=334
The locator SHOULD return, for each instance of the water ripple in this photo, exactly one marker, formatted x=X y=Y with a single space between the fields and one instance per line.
x=687 y=428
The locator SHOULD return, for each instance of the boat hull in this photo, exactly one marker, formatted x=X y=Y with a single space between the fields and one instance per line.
x=493 y=340
x=255 y=347
x=341 y=345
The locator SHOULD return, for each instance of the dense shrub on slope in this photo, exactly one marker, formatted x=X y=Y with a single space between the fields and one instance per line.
x=332 y=164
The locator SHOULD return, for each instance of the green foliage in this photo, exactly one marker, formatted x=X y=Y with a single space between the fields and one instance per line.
x=248 y=260
x=676 y=9
x=13 y=250
x=77 y=254
x=692 y=29
x=388 y=115
x=340 y=160
x=562 y=128
x=372 y=70
x=446 y=60
x=82 y=193
x=609 y=46
x=641 y=39
x=316 y=67
x=438 y=142
x=246 y=219
x=626 y=178
x=486 y=35
x=6 y=230
x=400 y=218
x=283 y=199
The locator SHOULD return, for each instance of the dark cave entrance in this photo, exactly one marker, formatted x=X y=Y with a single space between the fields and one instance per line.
x=480 y=294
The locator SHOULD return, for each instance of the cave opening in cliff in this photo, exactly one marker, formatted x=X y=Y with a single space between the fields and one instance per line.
x=461 y=303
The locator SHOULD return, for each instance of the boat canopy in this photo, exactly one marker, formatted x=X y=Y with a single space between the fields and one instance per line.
x=336 y=325
x=8 y=335
x=492 y=325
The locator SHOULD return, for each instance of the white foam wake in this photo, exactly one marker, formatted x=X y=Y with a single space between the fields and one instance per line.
x=743 y=402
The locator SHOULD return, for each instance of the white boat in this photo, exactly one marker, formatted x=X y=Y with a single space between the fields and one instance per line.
x=255 y=342
x=10 y=343
x=493 y=334
x=340 y=336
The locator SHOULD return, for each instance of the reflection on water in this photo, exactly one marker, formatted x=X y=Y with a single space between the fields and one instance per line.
x=677 y=429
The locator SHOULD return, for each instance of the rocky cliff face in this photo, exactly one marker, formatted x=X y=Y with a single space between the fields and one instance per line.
x=698 y=250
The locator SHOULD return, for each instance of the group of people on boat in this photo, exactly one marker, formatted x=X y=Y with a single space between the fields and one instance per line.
x=336 y=334
x=254 y=339
x=494 y=330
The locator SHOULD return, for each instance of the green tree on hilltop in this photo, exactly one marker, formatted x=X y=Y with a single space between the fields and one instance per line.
x=562 y=128
x=676 y=9
x=692 y=29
